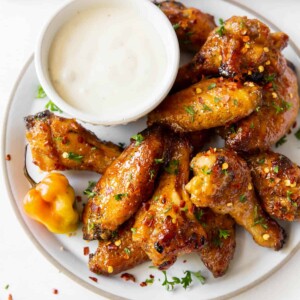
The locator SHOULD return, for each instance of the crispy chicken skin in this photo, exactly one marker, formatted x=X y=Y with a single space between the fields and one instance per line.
x=265 y=127
x=207 y=104
x=217 y=253
x=192 y=26
x=126 y=183
x=241 y=47
x=166 y=226
x=119 y=254
x=50 y=137
x=277 y=181
x=222 y=182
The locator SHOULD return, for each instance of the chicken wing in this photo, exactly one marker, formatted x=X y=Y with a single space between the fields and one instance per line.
x=222 y=182
x=166 y=226
x=217 y=253
x=271 y=121
x=192 y=26
x=277 y=181
x=58 y=143
x=207 y=104
x=126 y=183
x=239 y=47
x=119 y=254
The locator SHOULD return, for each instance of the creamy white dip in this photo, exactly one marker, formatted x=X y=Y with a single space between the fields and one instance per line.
x=106 y=59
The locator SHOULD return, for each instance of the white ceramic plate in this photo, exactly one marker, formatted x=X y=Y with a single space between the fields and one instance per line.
x=251 y=263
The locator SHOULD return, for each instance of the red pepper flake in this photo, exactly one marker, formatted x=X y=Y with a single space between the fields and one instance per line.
x=93 y=278
x=112 y=246
x=184 y=261
x=143 y=284
x=10 y=297
x=78 y=198
x=151 y=276
x=55 y=291
x=8 y=157
x=295 y=124
x=65 y=140
x=86 y=250
x=127 y=277
x=80 y=139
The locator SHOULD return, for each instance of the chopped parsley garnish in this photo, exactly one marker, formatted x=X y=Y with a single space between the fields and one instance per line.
x=198 y=214
x=191 y=111
x=138 y=139
x=206 y=108
x=149 y=281
x=168 y=208
x=89 y=190
x=73 y=156
x=235 y=102
x=6 y=287
x=121 y=145
x=284 y=106
x=261 y=161
x=243 y=198
x=127 y=250
x=172 y=167
x=211 y=86
x=288 y=195
x=184 y=281
x=270 y=78
x=223 y=234
x=176 y=26
x=53 y=107
x=40 y=93
x=217 y=100
x=221 y=30
x=297 y=134
x=258 y=220
x=252 y=125
x=152 y=173
x=281 y=141
x=257 y=108
x=206 y=171
x=119 y=197
x=276 y=169
x=133 y=230
x=159 y=160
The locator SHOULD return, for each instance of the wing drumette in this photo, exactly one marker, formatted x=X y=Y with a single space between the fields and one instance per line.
x=223 y=183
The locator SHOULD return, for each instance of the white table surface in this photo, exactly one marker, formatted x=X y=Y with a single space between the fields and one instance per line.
x=29 y=275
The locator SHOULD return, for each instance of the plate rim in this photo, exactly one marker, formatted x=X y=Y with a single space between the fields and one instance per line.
x=47 y=255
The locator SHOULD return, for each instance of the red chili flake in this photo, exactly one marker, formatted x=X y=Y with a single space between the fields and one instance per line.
x=80 y=139
x=86 y=250
x=290 y=131
x=143 y=284
x=78 y=198
x=112 y=246
x=93 y=278
x=65 y=140
x=151 y=276
x=8 y=157
x=127 y=277
x=182 y=203
x=10 y=297
x=295 y=124
x=184 y=261
x=55 y=291
x=146 y=205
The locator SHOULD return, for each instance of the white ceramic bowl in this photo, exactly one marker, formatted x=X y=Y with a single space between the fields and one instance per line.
x=162 y=26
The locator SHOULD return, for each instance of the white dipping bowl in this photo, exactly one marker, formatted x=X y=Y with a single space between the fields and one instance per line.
x=161 y=25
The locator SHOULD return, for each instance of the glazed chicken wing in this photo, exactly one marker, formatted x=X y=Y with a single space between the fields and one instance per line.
x=207 y=104
x=58 y=143
x=239 y=47
x=166 y=226
x=191 y=25
x=222 y=182
x=277 y=181
x=218 y=252
x=126 y=183
x=264 y=127
x=119 y=254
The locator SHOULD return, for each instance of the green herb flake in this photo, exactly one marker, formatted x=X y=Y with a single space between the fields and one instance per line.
x=119 y=197
x=243 y=198
x=168 y=208
x=221 y=30
x=172 y=167
x=127 y=251
x=40 y=94
x=52 y=107
x=198 y=214
x=258 y=220
x=223 y=234
x=206 y=108
x=6 y=287
x=261 y=161
x=176 y=26
x=89 y=190
x=149 y=281
x=206 y=171
x=191 y=111
x=276 y=169
x=297 y=134
x=235 y=102
x=270 y=78
x=138 y=139
x=169 y=285
x=217 y=100
x=151 y=173
x=158 y=160
x=121 y=145
x=288 y=195
x=252 y=125
x=211 y=86
x=281 y=141
x=133 y=230
x=73 y=156
x=257 y=108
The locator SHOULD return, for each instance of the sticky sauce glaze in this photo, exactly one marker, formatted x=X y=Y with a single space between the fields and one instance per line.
x=106 y=60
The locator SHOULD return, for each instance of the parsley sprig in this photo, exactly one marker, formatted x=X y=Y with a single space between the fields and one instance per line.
x=89 y=190
x=138 y=139
x=40 y=94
